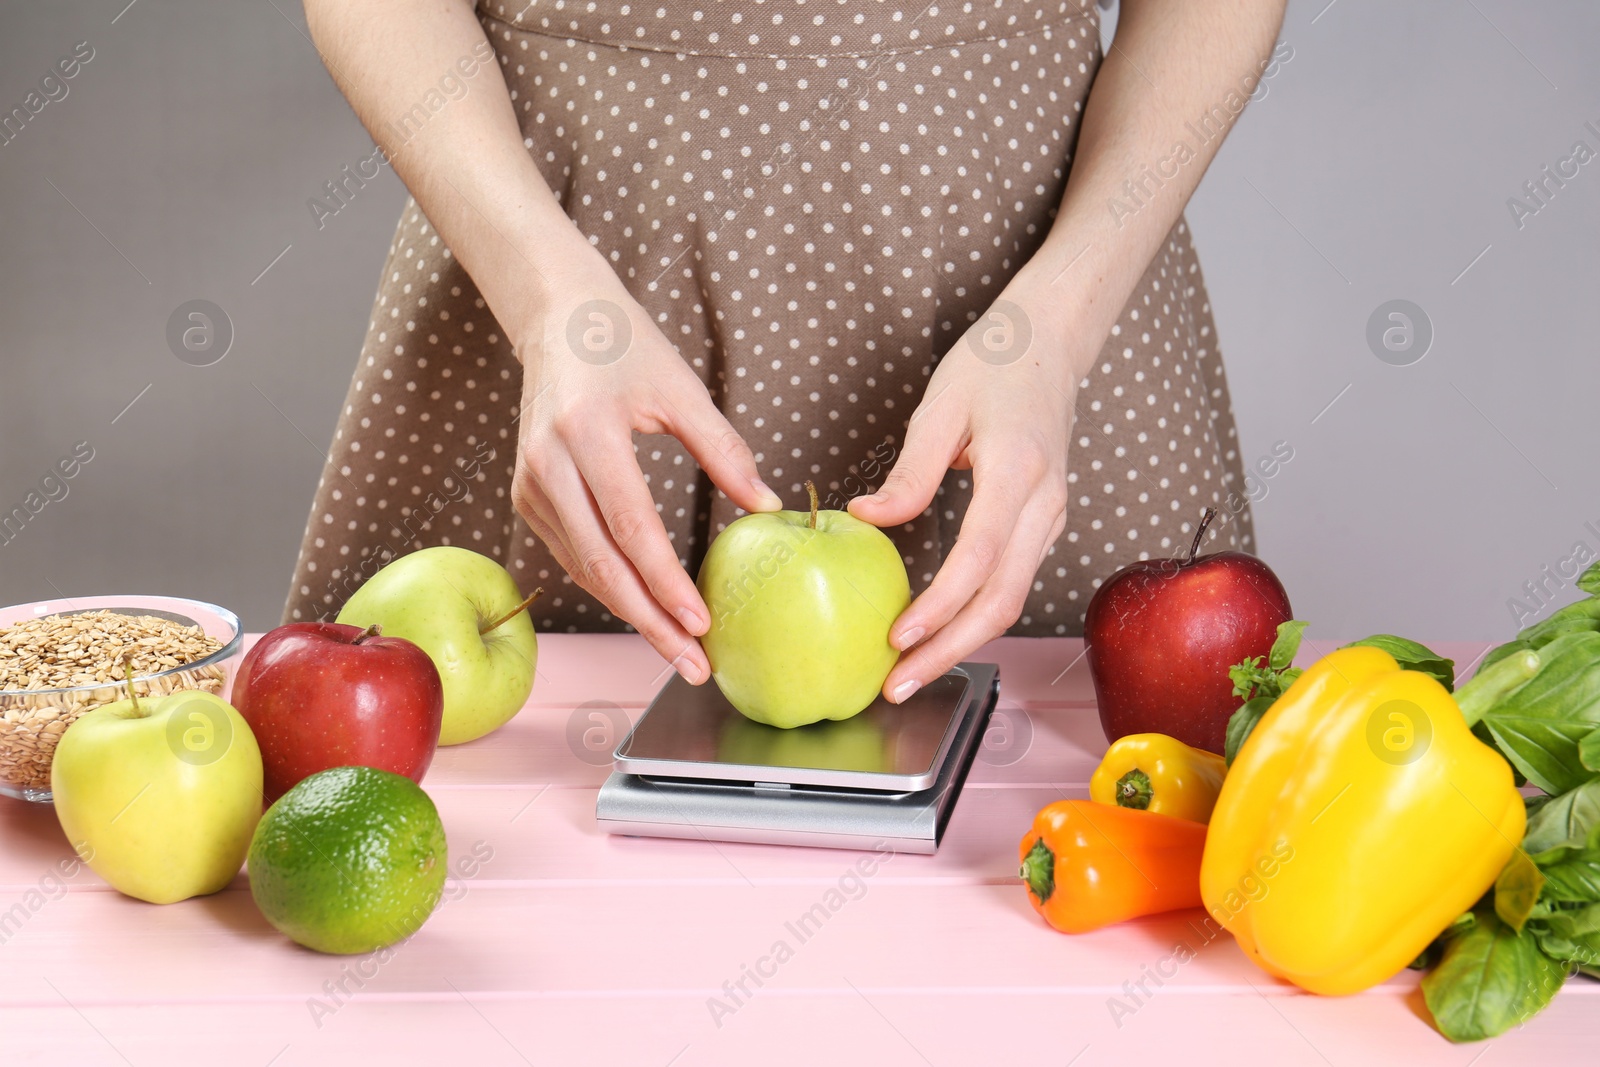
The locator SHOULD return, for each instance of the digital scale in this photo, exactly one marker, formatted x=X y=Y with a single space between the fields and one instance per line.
x=694 y=767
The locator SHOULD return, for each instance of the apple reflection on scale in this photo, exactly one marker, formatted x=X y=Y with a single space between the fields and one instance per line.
x=694 y=767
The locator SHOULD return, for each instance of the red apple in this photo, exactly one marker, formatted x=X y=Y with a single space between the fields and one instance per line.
x=1162 y=634
x=324 y=694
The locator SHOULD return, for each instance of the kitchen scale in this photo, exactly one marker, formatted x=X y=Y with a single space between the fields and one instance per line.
x=694 y=767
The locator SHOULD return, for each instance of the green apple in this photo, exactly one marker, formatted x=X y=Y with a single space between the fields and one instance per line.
x=465 y=611
x=160 y=797
x=800 y=611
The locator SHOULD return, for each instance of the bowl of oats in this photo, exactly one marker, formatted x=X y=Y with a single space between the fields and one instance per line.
x=62 y=658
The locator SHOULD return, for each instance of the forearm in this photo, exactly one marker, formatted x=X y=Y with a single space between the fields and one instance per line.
x=465 y=163
x=1177 y=75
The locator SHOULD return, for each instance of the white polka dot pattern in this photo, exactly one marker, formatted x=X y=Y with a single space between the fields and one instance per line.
x=813 y=200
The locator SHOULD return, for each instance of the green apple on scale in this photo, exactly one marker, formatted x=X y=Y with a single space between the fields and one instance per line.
x=801 y=605
x=159 y=797
x=465 y=611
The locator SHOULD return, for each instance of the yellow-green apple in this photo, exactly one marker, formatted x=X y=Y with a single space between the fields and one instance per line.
x=321 y=694
x=465 y=611
x=800 y=610
x=160 y=797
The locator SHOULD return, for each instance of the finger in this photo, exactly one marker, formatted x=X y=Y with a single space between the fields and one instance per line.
x=618 y=486
x=535 y=514
x=601 y=569
x=690 y=416
x=989 y=614
x=537 y=511
x=986 y=531
x=931 y=444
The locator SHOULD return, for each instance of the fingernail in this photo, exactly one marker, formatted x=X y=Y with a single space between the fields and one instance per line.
x=875 y=498
x=910 y=637
x=905 y=689
x=773 y=500
x=692 y=672
x=691 y=621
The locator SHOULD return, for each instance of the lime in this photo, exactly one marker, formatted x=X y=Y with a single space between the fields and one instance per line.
x=348 y=861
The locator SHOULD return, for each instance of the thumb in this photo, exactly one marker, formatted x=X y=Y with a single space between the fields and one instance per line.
x=914 y=479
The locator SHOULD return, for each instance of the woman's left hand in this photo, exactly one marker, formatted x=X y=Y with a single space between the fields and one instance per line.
x=1001 y=403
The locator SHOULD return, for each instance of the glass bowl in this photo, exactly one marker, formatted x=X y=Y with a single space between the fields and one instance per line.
x=33 y=720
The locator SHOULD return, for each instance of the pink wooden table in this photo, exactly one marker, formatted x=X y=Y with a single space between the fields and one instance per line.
x=563 y=945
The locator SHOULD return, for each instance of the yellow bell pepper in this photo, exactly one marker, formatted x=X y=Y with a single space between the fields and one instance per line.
x=1357 y=821
x=1158 y=773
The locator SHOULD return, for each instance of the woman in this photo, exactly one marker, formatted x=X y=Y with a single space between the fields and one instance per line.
x=826 y=240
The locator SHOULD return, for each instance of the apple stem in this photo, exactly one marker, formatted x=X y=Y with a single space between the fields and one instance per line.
x=513 y=613
x=1200 y=534
x=811 y=491
x=127 y=673
x=371 y=631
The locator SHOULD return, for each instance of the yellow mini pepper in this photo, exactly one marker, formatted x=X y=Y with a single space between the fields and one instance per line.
x=1158 y=773
x=1357 y=821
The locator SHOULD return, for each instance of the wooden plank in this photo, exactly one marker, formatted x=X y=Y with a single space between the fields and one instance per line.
x=853 y=1025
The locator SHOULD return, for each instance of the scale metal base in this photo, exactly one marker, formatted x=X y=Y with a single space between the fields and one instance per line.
x=693 y=767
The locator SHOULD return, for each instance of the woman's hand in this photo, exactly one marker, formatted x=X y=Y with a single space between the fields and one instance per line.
x=598 y=371
x=1004 y=408
x=1001 y=404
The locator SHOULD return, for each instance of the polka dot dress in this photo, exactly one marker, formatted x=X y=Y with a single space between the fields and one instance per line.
x=814 y=199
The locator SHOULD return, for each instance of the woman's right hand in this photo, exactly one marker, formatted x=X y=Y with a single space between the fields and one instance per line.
x=597 y=372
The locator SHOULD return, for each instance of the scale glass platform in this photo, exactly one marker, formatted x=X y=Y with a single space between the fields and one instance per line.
x=694 y=767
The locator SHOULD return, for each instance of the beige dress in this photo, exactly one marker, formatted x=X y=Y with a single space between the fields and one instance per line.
x=814 y=199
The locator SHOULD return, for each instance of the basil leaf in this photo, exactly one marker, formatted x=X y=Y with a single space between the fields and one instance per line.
x=1491 y=979
x=1563 y=820
x=1538 y=725
x=1516 y=891
x=1589 y=750
x=1576 y=617
x=1287 y=644
x=1571 y=875
x=1413 y=657
x=1240 y=723
x=1247 y=676
x=1589 y=580
x=1571 y=934
x=1481 y=731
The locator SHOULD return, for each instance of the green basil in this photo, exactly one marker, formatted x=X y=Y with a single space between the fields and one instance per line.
x=1570 y=933
x=1578 y=617
x=1516 y=891
x=1287 y=644
x=1589 y=580
x=1240 y=723
x=1562 y=820
x=1539 y=725
x=1248 y=676
x=1589 y=750
x=1490 y=979
x=1518 y=779
x=1413 y=657
x=1255 y=678
x=1571 y=871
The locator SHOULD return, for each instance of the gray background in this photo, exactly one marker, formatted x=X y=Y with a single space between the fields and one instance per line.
x=1376 y=166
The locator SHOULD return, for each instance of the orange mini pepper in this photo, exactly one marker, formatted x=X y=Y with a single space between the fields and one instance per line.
x=1089 y=865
